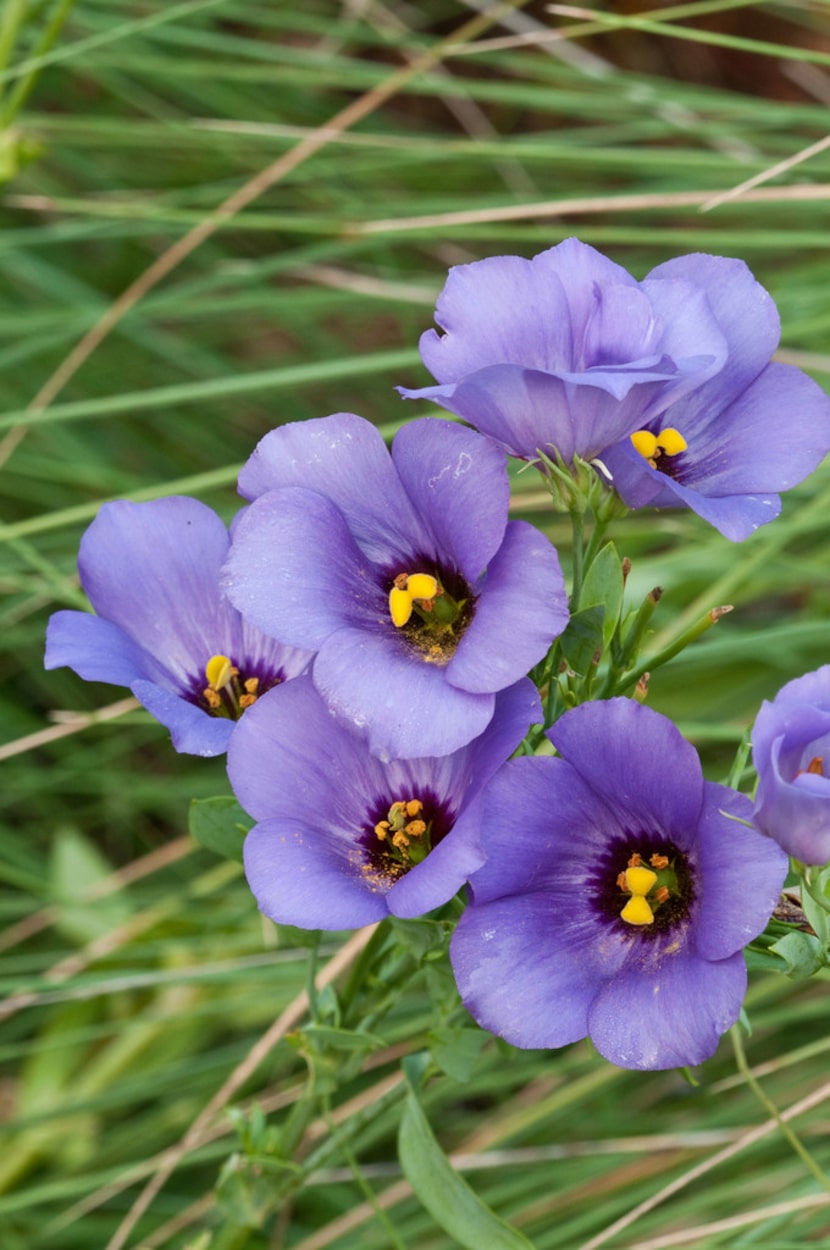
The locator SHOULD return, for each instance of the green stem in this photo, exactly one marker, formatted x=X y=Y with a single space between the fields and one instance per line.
x=577 y=557
x=20 y=93
x=700 y=626
x=364 y=1186
x=796 y=1143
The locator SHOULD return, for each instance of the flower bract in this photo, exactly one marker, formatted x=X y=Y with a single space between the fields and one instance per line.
x=566 y=353
x=161 y=625
x=791 y=754
x=344 y=839
x=402 y=572
x=616 y=896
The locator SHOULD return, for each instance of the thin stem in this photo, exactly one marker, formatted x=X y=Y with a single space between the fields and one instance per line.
x=577 y=557
x=792 y=1137
x=362 y=1183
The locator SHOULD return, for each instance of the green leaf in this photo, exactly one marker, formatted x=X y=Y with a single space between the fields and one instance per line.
x=342 y=1039
x=583 y=638
x=448 y=1198
x=603 y=587
x=419 y=937
x=801 y=951
x=220 y=825
x=456 y=1050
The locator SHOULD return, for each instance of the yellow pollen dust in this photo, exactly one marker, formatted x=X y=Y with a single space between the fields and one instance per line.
x=669 y=442
x=638 y=881
x=408 y=589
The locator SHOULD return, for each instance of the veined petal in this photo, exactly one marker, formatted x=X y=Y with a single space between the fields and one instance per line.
x=458 y=482
x=295 y=572
x=660 y=782
x=667 y=1011
x=504 y=308
x=96 y=650
x=402 y=704
x=192 y=730
x=344 y=458
x=729 y=851
x=305 y=877
x=153 y=570
x=521 y=608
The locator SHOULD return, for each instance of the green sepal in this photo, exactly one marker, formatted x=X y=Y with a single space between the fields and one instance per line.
x=802 y=953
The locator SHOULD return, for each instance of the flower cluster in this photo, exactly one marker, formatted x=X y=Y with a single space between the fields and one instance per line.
x=360 y=644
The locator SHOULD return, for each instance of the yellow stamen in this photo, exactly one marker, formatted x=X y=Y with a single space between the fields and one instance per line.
x=415 y=829
x=251 y=685
x=382 y=830
x=645 y=443
x=219 y=671
x=211 y=697
x=659 y=861
x=414 y=807
x=400 y=840
x=669 y=442
x=400 y=606
x=640 y=880
x=816 y=765
x=247 y=700
x=637 y=911
x=422 y=586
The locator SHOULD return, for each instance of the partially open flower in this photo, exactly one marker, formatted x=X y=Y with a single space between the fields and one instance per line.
x=567 y=353
x=342 y=839
x=791 y=754
x=402 y=572
x=616 y=896
x=162 y=627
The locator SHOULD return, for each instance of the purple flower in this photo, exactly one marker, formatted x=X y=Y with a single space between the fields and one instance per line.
x=151 y=572
x=567 y=351
x=403 y=574
x=616 y=895
x=791 y=754
x=343 y=839
x=726 y=449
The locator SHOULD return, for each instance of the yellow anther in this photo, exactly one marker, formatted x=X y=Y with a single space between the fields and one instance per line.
x=211 y=697
x=397 y=809
x=414 y=807
x=400 y=840
x=415 y=829
x=400 y=606
x=640 y=880
x=422 y=586
x=247 y=700
x=645 y=443
x=815 y=766
x=219 y=671
x=637 y=911
x=251 y=685
x=671 y=441
x=659 y=861
x=382 y=830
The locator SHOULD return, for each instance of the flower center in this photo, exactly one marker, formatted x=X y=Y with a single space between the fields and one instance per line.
x=227 y=692
x=648 y=888
x=431 y=611
x=816 y=767
x=652 y=447
x=405 y=834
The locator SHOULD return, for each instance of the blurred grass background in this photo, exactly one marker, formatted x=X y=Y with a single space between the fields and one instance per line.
x=137 y=970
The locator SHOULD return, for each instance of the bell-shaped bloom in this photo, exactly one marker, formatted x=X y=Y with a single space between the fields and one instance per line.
x=402 y=572
x=343 y=839
x=791 y=754
x=567 y=352
x=727 y=448
x=162 y=627
x=616 y=896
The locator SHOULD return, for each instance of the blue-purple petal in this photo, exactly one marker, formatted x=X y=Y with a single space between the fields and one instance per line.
x=404 y=706
x=96 y=649
x=659 y=783
x=458 y=482
x=295 y=572
x=522 y=607
x=728 y=853
x=344 y=458
x=666 y=1011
